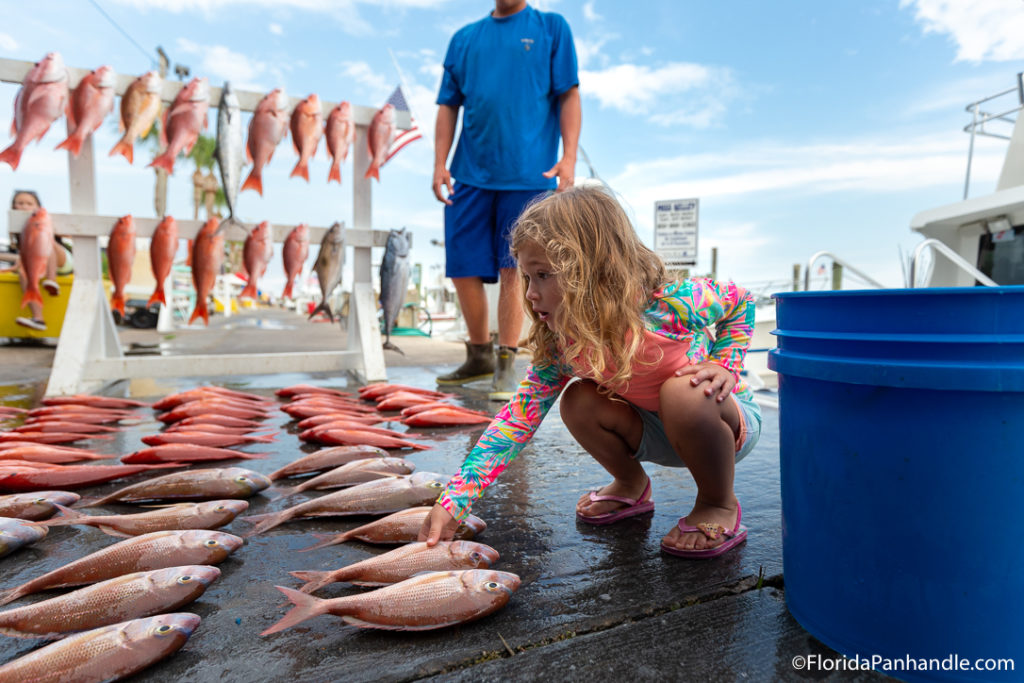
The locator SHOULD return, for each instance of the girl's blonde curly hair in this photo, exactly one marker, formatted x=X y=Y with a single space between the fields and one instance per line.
x=606 y=274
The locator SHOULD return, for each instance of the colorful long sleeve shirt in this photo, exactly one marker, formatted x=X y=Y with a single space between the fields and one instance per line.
x=686 y=311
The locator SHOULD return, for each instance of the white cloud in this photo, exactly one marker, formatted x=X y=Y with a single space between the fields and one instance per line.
x=380 y=86
x=675 y=93
x=589 y=50
x=589 y=13
x=983 y=30
x=220 y=63
x=276 y=29
x=8 y=43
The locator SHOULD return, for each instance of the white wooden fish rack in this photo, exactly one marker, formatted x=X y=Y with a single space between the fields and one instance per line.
x=89 y=352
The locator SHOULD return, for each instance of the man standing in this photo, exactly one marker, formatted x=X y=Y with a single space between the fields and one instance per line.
x=514 y=75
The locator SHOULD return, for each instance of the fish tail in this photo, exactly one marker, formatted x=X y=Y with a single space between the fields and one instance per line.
x=325 y=307
x=11 y=155
x=266 y=522
x=73 y=144
x=67 y=516
x=287 y=291
x=249 y=292
x=302 y=170
x=325 y=540
x=117 y=303
x=125 y=149
x=164 y=161
x=200 y=312
x=285 y=494
x=31 y=296
x=158 y=296
x=253 y=182
x=306 y=607
x=314 y=580
x=335 y=172
x=373 y=172
x=391 y=347
x=24 y=589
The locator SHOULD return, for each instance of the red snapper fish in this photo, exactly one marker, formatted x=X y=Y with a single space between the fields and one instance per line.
x=268 y=126
x=107 y=653
x=41 y=100
x=91 y=101
x=120 y=256
x=36 y=247
x=183 y=121
x=256 y=254
x=382 y=131
x=428 y=601
x=295 y=251
x=163 y=245
x=140 y=106
x=207 y=256
x=340 y=131
x=307 y=126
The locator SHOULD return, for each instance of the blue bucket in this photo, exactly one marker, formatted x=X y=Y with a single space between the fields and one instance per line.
x=902 y=468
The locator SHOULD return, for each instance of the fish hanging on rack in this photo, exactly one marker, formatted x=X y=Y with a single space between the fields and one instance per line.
x=379 y=137
x=40 y=102
x=340 y=131
x=268 y=126
x=163 y=245
x=307 y=126
x=329 y=262
x=140 y=106
x=90 y=103
x=120 y=256
x=394 y=282
x=207 y=256
x=36 y=247
x=294 y=252
x=183 y=121
x=256 y=254
x=230 y=150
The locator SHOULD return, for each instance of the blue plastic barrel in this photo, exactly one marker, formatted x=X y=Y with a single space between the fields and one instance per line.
x=902 y=469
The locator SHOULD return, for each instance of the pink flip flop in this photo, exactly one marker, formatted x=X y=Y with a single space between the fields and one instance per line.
x=712 y=531
x=633 y=507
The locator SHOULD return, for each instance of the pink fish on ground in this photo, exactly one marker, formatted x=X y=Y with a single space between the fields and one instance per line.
x=256 y=254
x=295 y=251
x=36 y=248
x=307 y=127
x=379 y=137
x=328 y=458
x=41 y=100
x=207 y=256
x=163 y=245
x=183 y=121
x=340 y=131
x=107 y=653
x=175 y=452
x=267 y=128
x=140 y=106
x=211 y=514
x=398 y=528
x=428 y=601
x=120 y=256
x=90 y=103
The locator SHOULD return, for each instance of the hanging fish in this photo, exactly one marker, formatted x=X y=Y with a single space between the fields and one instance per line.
x=91 y=101
x=379 y=137
x=163 y=246
x=329 y=262
x=183 y=121
x=307 y=126
x=140 y=106
x=40 y=102
x=268 y=126
x=120 y=257
x=394 y=282
x=294 y=252
x=340 y=131
x=230 y=150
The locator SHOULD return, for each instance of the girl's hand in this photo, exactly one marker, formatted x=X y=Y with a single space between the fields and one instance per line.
x=720 y=382
x=438 y=526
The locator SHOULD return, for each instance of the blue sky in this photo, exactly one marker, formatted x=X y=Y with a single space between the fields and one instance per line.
x=801 y=126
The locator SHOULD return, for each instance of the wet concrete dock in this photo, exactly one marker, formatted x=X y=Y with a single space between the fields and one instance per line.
x=595 y=604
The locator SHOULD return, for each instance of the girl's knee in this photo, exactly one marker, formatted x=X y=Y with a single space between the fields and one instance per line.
x=578 y=401
x=681 y=402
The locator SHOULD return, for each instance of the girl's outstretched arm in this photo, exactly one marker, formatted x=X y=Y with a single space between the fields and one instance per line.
x=438 y=526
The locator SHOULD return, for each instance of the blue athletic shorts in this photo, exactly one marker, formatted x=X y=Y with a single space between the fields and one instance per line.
x=655 y=446
x=477 y=227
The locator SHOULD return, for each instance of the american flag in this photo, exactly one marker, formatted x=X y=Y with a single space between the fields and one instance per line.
x=404 y=137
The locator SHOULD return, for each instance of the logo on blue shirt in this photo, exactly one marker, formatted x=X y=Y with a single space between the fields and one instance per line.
x=527 y=43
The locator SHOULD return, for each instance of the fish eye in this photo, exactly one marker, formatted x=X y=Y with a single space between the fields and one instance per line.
x=492 y=585
x=242 y=478
x=40 y=501
x=475 y=556
x=162 y=629
x=184 y=579
x=220 y=508
x=210 y=543
x=435 y=485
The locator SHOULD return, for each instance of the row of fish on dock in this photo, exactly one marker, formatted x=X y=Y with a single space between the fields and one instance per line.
x=125 y=616
x=45 y=95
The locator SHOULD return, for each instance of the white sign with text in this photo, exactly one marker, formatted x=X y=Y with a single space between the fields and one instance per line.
x=675 y=232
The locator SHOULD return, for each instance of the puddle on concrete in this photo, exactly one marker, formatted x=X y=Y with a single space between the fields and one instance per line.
x=261 y=323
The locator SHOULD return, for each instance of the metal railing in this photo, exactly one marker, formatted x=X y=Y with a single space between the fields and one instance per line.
x=844 y=264
x=980 y=118
x=954 y=257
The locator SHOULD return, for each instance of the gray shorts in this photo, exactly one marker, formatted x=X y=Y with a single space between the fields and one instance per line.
x=655 y=447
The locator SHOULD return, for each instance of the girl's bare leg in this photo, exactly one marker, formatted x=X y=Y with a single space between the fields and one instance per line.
x=703 y=433
x=610 y=431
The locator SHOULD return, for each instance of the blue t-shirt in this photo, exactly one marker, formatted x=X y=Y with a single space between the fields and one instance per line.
x=507 y=75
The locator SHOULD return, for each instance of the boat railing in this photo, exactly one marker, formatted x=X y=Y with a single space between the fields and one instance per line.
x=979 y=118
x=959 y=261
x=835 y=259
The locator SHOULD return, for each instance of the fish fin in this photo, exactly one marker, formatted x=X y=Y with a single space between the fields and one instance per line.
x=306 y=607
x=334 y=173
x=157 y=297
x=73 y=144
x=11 y=155
x=373 y=172
x=314 y=580
x=325 y=307
x=362 y=623
x=253 y=182
x=302 y=170
x=287 y=294
x=325 y=540
x=67 y=516
x=200 y=312
x=31 y=296
x=391 y=347
x=164 y=161
x=266 y=522
x=123 y=148
x=248 y=155
x=231 y=220
x=117 y=304
x=249 y=291
x=111 y=531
